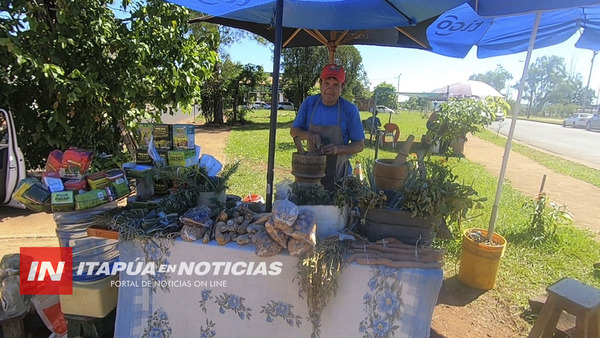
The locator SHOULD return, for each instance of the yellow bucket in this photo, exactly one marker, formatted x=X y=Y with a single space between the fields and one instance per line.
x=479 y=262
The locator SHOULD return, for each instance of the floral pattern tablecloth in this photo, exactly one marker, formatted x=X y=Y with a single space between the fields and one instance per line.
x=258 y=297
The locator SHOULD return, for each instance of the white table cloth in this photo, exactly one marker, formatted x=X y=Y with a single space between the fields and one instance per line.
x=242 y=299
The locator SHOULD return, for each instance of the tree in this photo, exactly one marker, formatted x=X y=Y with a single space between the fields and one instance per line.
x=356 y=78
x=496 y=78
x=214 y=90
x=302 y=68
x=546 y=74
x=416 y=104
x=240 y=80
x=73 y=73
x=385 y=94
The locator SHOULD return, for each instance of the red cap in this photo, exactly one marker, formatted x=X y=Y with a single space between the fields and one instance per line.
x=334 y=71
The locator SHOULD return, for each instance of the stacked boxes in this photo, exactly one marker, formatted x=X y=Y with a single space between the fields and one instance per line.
x=163 y=136
x=175 y=143
x=182 y=158
x=183 y=136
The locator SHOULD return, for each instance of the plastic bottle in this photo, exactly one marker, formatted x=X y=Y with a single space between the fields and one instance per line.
x=358 y=170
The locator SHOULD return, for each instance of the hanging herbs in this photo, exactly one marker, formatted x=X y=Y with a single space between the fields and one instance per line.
x=317 y=276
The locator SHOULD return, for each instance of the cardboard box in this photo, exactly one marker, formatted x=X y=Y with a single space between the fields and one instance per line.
x=62 y=201
x=92 y=299
x=98 y=180
x=183 y=136
x=163 y=136
x=143 y=133
x=182 y=158
x=142 y=157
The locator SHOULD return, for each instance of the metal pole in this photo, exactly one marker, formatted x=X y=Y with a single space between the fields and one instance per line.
x=587 y=87
x=398 y=90
x=511 y=131
x=274 y=97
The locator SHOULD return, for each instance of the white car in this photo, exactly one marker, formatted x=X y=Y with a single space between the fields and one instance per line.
x=12 y=162
x=381 y=109
x=285 y=106
x=577 y=120
x=259 y=105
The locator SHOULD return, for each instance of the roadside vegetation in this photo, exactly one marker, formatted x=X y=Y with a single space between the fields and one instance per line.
x=532 y=260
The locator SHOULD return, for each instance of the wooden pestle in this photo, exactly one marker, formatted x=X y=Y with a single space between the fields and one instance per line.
x=299 y=146
x=403 y=152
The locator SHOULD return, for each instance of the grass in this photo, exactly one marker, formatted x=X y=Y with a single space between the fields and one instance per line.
x=528 y=266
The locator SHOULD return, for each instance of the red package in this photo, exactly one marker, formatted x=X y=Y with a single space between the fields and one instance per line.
x=54 y=161
x=75 y=162
x=75 y=185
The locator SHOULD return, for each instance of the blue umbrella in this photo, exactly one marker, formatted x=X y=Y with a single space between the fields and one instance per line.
x=456 y=31
x=316 y=14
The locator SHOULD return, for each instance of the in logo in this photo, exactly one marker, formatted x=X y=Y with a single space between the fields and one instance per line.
x=46 y=271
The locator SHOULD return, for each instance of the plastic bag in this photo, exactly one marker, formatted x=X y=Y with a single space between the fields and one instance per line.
x=283 y=189
x=13 y=303
x=284 y=214
x=48 y=308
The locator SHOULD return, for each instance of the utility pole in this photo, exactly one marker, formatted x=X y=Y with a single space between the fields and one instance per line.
x=587 y=87
x=398 y=90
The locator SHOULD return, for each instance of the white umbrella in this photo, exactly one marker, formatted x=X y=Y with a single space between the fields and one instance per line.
x=469 y=89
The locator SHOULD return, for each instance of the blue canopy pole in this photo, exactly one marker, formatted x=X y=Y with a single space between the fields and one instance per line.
x=511 y=131
x=274 y=99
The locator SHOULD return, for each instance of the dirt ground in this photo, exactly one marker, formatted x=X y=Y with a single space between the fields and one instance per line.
x=461 y=311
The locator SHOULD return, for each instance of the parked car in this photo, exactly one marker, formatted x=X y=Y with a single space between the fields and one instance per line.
x=381 y=109
x=12 y=162
x=259 y=105
x=577 y=120
x=500 y=116
x=285 y=106
x=593 y=122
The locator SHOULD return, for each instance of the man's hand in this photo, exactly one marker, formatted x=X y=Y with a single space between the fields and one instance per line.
x=330 y=149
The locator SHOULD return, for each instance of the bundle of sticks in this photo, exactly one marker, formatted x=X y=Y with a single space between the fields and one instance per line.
x=395 y=254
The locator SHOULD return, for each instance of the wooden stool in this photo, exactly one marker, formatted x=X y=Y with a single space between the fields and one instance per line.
x=572 y=296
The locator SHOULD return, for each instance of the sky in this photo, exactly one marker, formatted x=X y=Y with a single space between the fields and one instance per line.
x=422 y=71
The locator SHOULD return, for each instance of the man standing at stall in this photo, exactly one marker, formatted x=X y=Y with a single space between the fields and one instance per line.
x=331 y=125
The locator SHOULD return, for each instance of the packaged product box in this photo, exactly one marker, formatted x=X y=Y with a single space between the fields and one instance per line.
x=161 y=187
x=183 y=136
x=97 y=180
x=182 y=158
x=143 y=134
x=75 y=163
x=164 y=155
x=53 y=184
x=90 y=199
x=163 y=136
x=118 y=181
x=62 y=201
x=54 y=161
x=75 y=185
x=142 y=157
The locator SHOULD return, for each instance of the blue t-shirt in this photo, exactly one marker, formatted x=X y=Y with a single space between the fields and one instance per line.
x=351 y=124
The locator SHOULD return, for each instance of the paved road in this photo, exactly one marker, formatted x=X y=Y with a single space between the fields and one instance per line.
x=578 y=145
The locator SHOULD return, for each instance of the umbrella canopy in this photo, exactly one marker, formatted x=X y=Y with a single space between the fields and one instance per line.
x=456 y=31
x=326 y=14
x=315 y=14
x=468 y=89
x=551 y=22
x=408 y=37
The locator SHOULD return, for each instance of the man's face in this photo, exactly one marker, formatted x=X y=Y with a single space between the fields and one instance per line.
x=331 y=89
